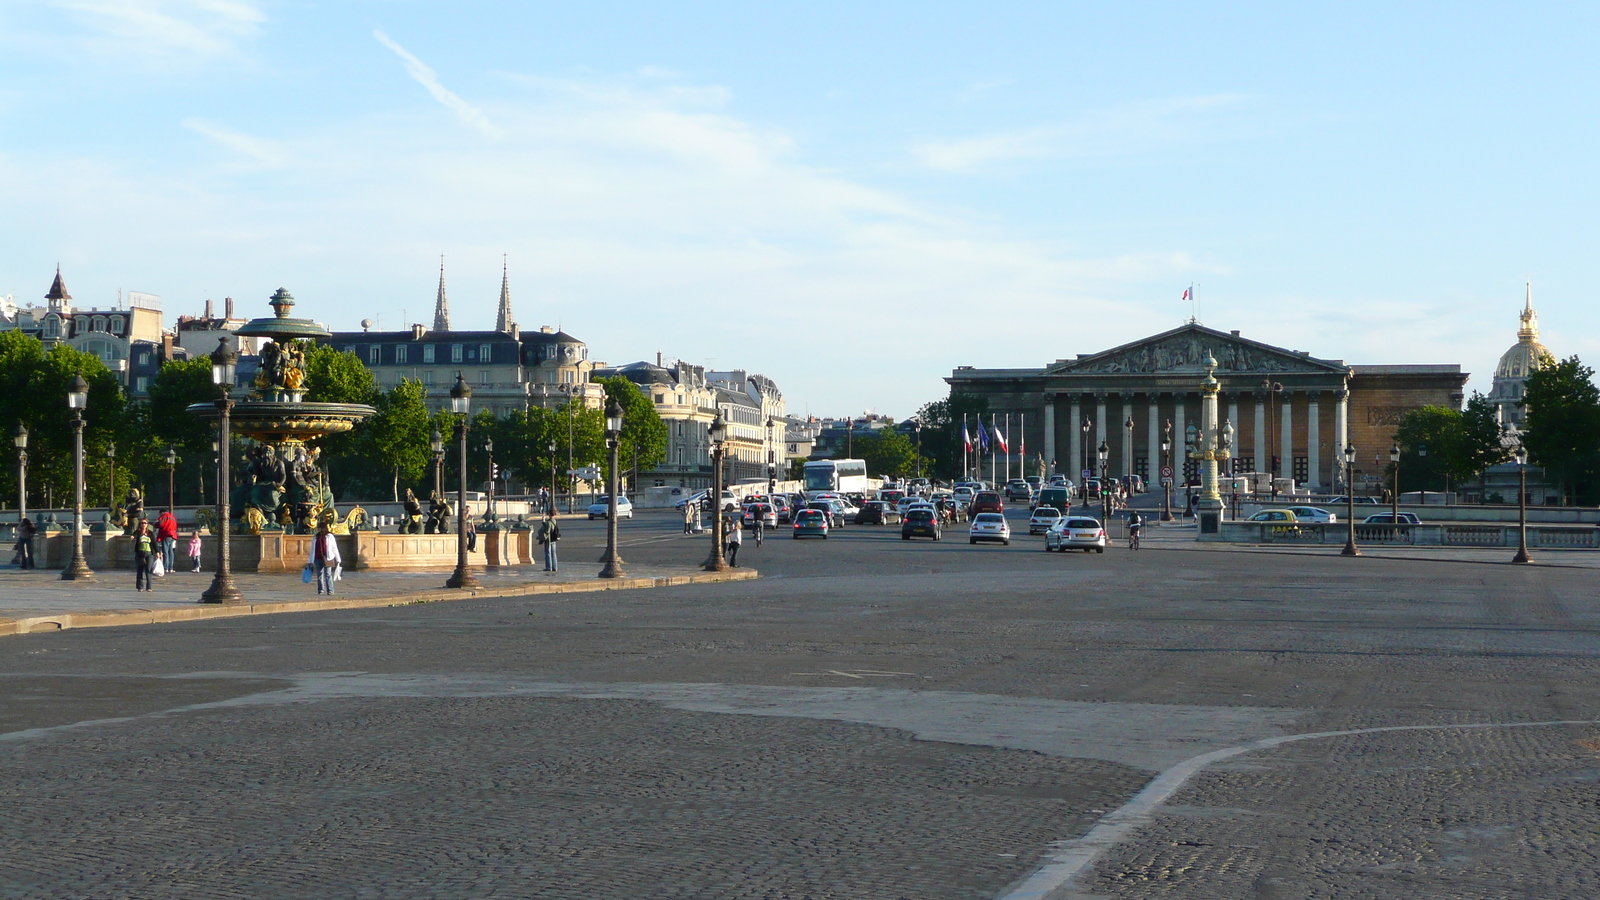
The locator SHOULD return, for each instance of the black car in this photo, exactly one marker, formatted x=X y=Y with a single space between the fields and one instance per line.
x=873 y=512
x=919 y=522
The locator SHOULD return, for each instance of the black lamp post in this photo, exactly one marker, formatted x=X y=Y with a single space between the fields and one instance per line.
x=1087 y=449
x=77 y=399
x=716 y=433
x=1350 y=548
x=1270 y=391
x=111 y=477
x=172 y=478
x=223 y=362
x=772 y=460
x=461 y=405
x=552 y=505
x=1394 y=500
x=1166 y=464
x=849 y=438
x=436 y=444
x=916 y=426
x=488 y=451
x=612 y=560
x=1105 y=490
x=20 y=438
x=1521 y=453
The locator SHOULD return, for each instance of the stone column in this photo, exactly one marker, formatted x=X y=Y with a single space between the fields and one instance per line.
x=1075 y=438
x=1263 y=461
x=1152 y=437
x=1286 y=434
x=1313 y=446
x=1126 y=434
x=1050 y=432
x=1099 y=433
x=1179 y=435
x=1238 y=427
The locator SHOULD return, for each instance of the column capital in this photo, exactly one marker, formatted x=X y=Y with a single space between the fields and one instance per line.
x=1312 y=395
x=1341 y=395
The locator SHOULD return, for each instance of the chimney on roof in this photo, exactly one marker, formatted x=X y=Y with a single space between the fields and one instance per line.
x=208 y=307
x=658 y=359
x=516 y=332
x=227 y=307
x=417 y=331
x=1234 y=332
x=546 y=329
x=166 y=346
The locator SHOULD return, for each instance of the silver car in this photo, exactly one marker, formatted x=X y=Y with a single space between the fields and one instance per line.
x=989 y=527
x=1076 y=533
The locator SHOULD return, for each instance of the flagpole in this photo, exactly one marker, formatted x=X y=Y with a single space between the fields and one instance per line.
x=966 y=450
x=1022 y=445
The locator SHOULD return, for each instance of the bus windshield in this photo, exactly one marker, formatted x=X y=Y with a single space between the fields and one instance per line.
x=819 y=478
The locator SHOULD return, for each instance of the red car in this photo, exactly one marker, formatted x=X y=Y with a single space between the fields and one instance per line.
x=986 y=502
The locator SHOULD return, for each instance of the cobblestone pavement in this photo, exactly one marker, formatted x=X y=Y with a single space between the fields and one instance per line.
x=873 y=718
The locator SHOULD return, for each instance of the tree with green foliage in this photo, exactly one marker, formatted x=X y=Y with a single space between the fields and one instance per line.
x=1563 y=425
x=887 y=453
x=398 y=435
x=941 y=431
x=33 y=391
x=644 y=435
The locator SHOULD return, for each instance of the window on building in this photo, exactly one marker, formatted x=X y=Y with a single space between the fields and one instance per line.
x=116 y=325
x=485 y=353
x=483 y=377
x=1141 y=467
x=566 y=376
x=427 y=378
x=144 y=358
x=374 y=355
x=99 y=324
x=400 y=355
x=143 y=383
x=427 y=353
x=455 y=352
x=1302 y=470
x=51 y=328
x=1244 y=463
x=660 y=399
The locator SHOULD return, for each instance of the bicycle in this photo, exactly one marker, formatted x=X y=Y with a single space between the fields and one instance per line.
x=1133 y=538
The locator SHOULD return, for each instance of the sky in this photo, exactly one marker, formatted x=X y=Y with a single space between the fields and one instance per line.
x=849 y=198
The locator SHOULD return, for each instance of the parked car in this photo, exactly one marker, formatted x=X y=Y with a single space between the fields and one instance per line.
x=920 y=522
x=986 y=502
x=1314 y=514
x=989 y=526
x=1043 y=518
x=1388 y=519
x=874 y=512
x=810 y=523
x=1076 y=533
x=599 y=510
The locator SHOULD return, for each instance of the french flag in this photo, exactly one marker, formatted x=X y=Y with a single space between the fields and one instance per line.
x=1000 y=439
x=966 y=436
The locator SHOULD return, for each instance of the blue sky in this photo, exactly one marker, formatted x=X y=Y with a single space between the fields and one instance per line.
x=850 y=198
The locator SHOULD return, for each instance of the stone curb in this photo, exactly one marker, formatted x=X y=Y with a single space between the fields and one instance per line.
x=111 y=618
x=1333 y=550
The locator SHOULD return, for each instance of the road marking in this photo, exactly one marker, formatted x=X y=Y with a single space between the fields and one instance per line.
x=1070 y=858
x=858 y=673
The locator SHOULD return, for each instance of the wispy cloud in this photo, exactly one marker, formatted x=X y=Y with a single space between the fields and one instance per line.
x=429 y=79
x=1122 y=129
x=263 y=153
x=206 y=28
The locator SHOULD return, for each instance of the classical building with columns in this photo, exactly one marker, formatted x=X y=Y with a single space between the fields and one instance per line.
x=1284 y=403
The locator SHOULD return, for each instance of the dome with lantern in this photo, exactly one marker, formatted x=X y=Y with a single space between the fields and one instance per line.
x=1516 y=364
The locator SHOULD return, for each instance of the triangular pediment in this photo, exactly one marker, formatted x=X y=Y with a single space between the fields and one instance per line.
x=1184 y=349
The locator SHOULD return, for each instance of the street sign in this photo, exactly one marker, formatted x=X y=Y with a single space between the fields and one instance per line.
x=1166 y=471
x=1087 y=474
x=587 y=473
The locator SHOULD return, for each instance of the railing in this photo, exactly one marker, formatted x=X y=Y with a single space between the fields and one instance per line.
x=1424 y=535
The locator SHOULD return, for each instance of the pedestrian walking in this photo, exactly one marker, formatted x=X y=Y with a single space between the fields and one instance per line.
x=325 y=558
x=688 y=517
x=735 y=541
x=144 y=554
x=194 y=549
x=472 y=536
x=25 y=532
x=167 y=537
x=549 y=533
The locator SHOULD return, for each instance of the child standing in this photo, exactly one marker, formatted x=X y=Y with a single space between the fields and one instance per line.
x=194 y=549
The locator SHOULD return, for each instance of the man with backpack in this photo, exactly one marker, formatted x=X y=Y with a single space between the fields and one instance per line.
x=549 y=533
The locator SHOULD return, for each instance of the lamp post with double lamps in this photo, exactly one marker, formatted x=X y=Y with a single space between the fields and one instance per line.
x=77 y=399
x=223 y=363
x=1105 y=489
x=612 y=559
x=20 y=438
x=1086 y=470
x=716 y=434
x=1350 y=548
x=1521 y=453
x=461 y=405
x=1166 y=464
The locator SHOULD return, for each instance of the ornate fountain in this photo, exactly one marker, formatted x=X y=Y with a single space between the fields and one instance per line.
x=284 y=488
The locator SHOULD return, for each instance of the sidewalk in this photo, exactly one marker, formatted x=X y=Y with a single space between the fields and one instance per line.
x=38 y=600
x=1173 y=537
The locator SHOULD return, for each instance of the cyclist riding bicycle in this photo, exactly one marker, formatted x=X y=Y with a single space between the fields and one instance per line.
x=1135 y=526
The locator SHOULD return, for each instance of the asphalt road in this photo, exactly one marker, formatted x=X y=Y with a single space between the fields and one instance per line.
x=873 y=718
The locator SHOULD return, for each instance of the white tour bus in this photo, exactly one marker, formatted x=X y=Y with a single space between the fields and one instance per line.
x=842 y=476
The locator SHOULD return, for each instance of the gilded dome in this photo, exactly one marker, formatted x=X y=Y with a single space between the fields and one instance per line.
x=1527 y=353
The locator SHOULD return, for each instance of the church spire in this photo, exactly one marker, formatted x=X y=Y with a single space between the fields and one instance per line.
x=441 y=307
x=503 y=323
x=1529 y=332
x=58 y=295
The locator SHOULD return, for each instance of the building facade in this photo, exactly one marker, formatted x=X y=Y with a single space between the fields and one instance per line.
x=1282 y=403
x=129 y=340
x=686 y=402
x=1516 y=364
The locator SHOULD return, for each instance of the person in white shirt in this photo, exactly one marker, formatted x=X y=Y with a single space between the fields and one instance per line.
x=324 y=558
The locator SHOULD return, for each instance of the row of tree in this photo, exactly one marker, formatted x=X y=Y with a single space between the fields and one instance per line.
x=377 y=460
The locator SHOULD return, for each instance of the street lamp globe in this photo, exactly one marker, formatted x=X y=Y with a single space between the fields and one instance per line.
x=613 y=418
x=1227 y=435
x=78 y=393
x=460 y=396
x=20 y=436
x=718 y=430
x=1350 y=455
x=1103 y=451
x=1521 y=453
x=223 y=363
x=552 y=449
x=172 y=455
x=1191 y=436
x=436 y=442
x=1394 y=453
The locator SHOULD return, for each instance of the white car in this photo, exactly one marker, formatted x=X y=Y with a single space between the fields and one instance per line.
x=989 y=527
x=599 y=510
x=1313 y=514
x=1042 y=519
x=1076 y=533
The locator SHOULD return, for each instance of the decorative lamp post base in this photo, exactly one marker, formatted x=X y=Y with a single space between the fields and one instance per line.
x=222 y=590
x=462 y=579
x=77 y=570
x=1523 y=556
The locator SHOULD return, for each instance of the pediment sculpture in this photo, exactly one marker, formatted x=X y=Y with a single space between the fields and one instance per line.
x=1189 y=351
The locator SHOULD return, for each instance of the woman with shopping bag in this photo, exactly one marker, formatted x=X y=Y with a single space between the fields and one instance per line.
x=325 y=559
